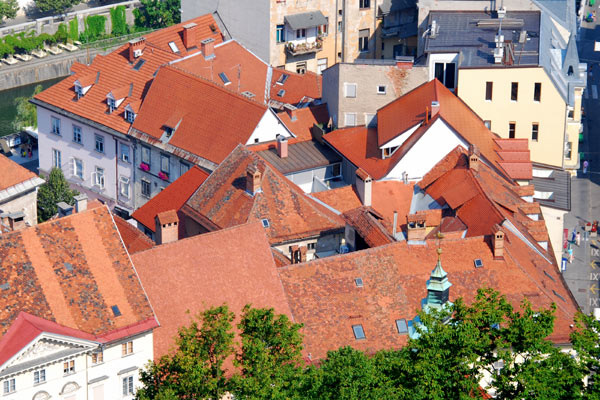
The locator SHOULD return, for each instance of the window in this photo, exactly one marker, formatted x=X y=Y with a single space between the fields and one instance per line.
x=98 y=357
x=363 y=40
x=146 y=188
x=138 y=65
x=78 y=91
x=55 y=125
x=9 y=386
x=183 y=168
x=39 y=376
x=350 y=119
x=301 y=67
x=537 y=91
x=146 y=155
x=78 y=168
x=224 y=78
x=127 y=385
x=56 y=158
x=126 y=348
x=321 y=65
x=445 y=73
x=570 y=71
x=99 y=143
x=358 y=282
x=364 y=3
x=129 y=116
x=359 y=333
x=350 y=89
x=111 y=104
x=339 y=28
x=381 y=89
x=69 y=367
x=401 y=326
x=512 y=127
x=265 y=223
x=124 y=152
x=282 y=79
x=388 y=151
x=322 y=30
x=489 y=87
x=124 y=186
x=76 y=134
x=488 y=124
x=164 y=163
x=514 y=91
x=280 y=33
x=173 y=47
x=98 y=177
x=568 y=150
x=311 y=246
x=535 y=128
x=300 y=33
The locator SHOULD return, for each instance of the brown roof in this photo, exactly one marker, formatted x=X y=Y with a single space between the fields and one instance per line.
x=167 y=217
x=12 y=173
x=71 y=271
x=296 y=88
x=233 y=266
x=224 y=201
x=134 y=239
x=369 y=225
x=305 y=119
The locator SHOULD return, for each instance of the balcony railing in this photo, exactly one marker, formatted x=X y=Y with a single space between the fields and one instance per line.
x=303 y=48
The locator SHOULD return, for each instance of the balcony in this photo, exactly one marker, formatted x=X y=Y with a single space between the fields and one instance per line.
x=303 y=48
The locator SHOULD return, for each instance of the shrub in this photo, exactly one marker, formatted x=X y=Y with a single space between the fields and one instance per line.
x=94 y=28
x=5 y=49
x=118 y=21
x=61 y=33
x=74 y=29
x=45 y=38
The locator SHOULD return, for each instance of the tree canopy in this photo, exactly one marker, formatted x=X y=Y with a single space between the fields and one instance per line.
x=55 y=6
x=55 y=190
x=8 y=9
x=26 y=112
x=457 y=353
x=156 y=14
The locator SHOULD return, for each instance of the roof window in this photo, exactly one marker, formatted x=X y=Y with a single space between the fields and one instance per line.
x=478 y=263
x=281 y=93
x=69 y=266
x=224 y=78
x=282 y=79
x=559 y=296
x=265 y=223
x=359 y=333
x=139 y=64
x=116 y=311
x=401 y=326
x=549 y=276
x=78 y=91
x=358 y=282
x=173 y=47
x=248 y=94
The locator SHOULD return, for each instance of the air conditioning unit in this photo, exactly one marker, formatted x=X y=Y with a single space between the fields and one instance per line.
x=137 y=53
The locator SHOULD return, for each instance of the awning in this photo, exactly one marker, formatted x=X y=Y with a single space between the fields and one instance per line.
x=305 y=20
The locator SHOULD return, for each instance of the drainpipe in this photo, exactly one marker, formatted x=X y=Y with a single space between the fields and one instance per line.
x=116 y=171
x=343 y=31
x=335 y=27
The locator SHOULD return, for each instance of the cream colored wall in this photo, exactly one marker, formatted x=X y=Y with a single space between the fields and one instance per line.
x=549 y=112
x=26 y=203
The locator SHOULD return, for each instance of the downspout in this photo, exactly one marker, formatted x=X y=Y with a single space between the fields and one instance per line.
x=375 y=29
x=335 y=27
x=343 y=30
x=116 y=171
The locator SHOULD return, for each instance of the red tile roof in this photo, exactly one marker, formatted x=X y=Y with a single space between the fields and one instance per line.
x=324 y=297
x=173 y=197
x=297 y=87
x=233 y=266
x=224 y=201
x=369 y=225
x=71 y=271
x=12 y=173
x=361 y=145
x=305 y=119
x=207 y=110
x=134 y=239
x=114 y=71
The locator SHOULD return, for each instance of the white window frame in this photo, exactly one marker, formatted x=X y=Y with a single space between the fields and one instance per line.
x=322 y=66
x=99 y=139
x=346 y=115
x=348 y=85
x=384 y=91
x=126 y=348
x=125 y=156
x=70 y=367
x=129 y=116
x=301 y=33
x=74 y=168
x=55 y=125
x=98 y=178
x=148 y=151
x=76 y=134
x=369 y=120
x=168 y=159
x=39 y=376
x=56 y=159
x=128 y=389
x=9 y=386
x=149 y=194
x=112 y=104
x=280 y=33
x=124 y=187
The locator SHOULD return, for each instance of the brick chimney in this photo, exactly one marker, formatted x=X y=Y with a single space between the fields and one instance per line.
x=16 y=221
x=363 y=186
x=189 y=35
x=498 y=242
x=291 y=111
x=473 y=157
x=80 y=202
x=136 y=48
x=415 y=226
x=303 y=252
x=253 y=177
x=208 y=48
x=435 y=108
x=166 y=227
x=282 y=146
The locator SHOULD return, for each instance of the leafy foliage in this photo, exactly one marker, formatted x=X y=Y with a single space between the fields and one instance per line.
x=61 y=33
x=6 y=49
x=156 y=14
x=118 y=21
x=73 y=29
x=8 y=9
x=55 y=6
x=55 y=190
x=95 y=28
x=26 y=112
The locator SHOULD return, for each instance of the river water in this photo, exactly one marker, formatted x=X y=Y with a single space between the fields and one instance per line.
x=8 y=110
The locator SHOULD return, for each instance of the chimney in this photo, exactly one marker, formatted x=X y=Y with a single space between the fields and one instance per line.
x=282 y=146
x=253 y=177
x=208 y=48
x=395 y=223
x=303 y=251
x=498 y=243
x=4 y=220
x=473 y=157
x=16 y=221
x=64 y=209
x=136 y=48
x=415 y=226
x=435 y=108
x=363 y=186
x=291 y=110
x=166 y=227
x=189 y=35
x=295 y=254
x=80 y=202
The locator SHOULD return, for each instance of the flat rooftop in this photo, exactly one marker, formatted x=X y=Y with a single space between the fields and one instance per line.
x=472 y=34
x=301 y=156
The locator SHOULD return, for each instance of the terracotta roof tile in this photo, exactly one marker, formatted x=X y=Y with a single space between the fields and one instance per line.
x=210 y=263
x=12 y=173
x=167 y=217
x=173 y=197
x=368 y=225
x=305 y=119
x=297 y=87
x=134 y=239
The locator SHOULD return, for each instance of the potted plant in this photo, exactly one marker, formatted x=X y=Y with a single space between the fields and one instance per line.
x=163 y=176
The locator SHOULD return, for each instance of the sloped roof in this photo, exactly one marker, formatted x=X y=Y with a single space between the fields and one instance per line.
x=394 y=284
x=173 y=197
x=369 y=225
x=134 y=239
x=14 y=174
x=305 y=20
x=207 y=109
x=71 y=271
x=114 y=71
x=218 y=268
x=305 y=119
x=296 y=86
x=224 y=201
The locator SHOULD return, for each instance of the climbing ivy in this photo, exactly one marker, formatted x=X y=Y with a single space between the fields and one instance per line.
x=118 y=21
x=94 y=28
x=73 y=29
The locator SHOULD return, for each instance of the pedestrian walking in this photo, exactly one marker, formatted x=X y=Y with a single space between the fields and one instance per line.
x=578 y=239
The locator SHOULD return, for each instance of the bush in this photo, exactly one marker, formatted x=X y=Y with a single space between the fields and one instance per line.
x=118 y=21
x=6 y=49
x=45 y=38
x=61 y=33
x=94 y=28
x=74 y=29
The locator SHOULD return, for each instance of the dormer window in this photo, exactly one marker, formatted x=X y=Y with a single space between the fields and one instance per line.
x=168 y=131
x=112 y=104
x=78 y=91
x=388 y=151
x=129 y=116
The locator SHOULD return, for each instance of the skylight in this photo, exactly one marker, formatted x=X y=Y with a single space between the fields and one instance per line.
x=559 y=296
x=248 y=94
x=478 y=263
x=224 y=78
x=265 y=223
x=173 y=47
x=401 y=326
x=116 y=311
x=359 y=333
x=282 y=79
x=281 y=93
x=549 y=276
x=358 y=282
x=139 y=64
x=69 y=267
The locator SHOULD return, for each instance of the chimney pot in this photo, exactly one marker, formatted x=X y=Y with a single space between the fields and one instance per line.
x=189 y=35
x=473 y=157
x=282 y=146
x=363 y=186
x=498 y=242
x=166 y=227
x=416 y=228
x=208 y=48
x=80 y=202
x=253 y=176
x=16 y=221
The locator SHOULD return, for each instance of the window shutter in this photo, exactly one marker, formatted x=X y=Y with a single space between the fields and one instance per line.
x=73 y=167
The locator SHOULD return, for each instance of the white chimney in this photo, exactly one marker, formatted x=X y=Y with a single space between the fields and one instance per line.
x=80 y=202
x=363 y=186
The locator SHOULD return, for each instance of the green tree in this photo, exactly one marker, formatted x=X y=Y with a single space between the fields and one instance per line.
x=74 y=29
x=586 y=342
x=61 y=33
x=55 y=190
x=156 y=14
x=55 y=6
x=26 y=112
x=8 y=9
x=118 y=21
